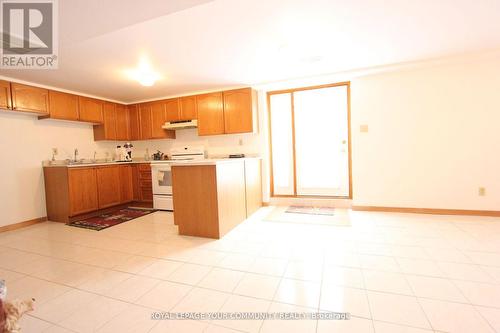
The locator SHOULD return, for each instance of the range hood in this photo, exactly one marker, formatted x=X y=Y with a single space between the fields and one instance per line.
x=183 y=124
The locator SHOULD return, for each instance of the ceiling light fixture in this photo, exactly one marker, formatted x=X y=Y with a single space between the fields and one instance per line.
x=144 y=74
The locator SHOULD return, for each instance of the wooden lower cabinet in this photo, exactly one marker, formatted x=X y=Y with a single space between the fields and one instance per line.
x=253 y=185
x=82 y=184
x=73 y=191
x=210 y=200
x=145 y=183
x=136 y=190
x=126 y=184
x=108 y=189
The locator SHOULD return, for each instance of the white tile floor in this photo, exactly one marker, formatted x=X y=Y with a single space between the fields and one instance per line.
x=392 y=272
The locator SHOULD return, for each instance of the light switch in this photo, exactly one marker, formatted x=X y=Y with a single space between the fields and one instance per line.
x=363 y=128
x=482 y=191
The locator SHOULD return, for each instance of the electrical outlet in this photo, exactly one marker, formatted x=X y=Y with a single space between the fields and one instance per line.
x=482 y=191
x=363 y=128
x=241 y=142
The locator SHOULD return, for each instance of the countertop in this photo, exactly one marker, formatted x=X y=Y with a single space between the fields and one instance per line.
x=211 y=161
x=207 y=161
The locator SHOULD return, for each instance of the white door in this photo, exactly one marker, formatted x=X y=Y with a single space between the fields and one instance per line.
x=310 y=142
x=321 y=141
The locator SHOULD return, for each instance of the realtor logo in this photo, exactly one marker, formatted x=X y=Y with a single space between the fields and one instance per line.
x=29 y=34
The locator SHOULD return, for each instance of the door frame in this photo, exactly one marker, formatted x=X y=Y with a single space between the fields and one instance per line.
x=349 y=144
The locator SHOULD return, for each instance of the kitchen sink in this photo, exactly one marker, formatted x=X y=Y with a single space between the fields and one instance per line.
x=78 y=162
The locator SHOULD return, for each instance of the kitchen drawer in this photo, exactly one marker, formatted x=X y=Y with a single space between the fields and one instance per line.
x=144 y=167
x=146 y=175
x=146 y=194
x=146 y=184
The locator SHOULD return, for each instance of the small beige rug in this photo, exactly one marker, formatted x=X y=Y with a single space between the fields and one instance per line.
x=280 y=214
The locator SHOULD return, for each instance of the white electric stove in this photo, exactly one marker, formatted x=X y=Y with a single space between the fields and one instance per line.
x=162 y=174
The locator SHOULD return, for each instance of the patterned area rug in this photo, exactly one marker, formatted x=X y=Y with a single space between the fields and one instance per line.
x=110 y=219
x=311 y=210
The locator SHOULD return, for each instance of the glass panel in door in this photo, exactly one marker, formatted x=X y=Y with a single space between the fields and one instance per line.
x=282 y=144
x=164 y=178
x=321 y=141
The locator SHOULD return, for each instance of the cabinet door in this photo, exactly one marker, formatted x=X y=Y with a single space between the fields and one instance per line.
x=172 y=109
x=90 y=110
x=145 y=183
x=135 y=122
x=5 y=96
x=135 y=183
x=210 y=114
x=126 y=184
x=63 y=106
x=29 y=99
x=145 y=121
x=122 y=123
x=109 y=112
x=108 y=188
x=188 y=108
x=82 y=183
x=158 y=119
x=238 y=110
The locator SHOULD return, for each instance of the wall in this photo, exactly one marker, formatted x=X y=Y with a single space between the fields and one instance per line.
x=433 y=135
x=26 y=141
x=433 y=138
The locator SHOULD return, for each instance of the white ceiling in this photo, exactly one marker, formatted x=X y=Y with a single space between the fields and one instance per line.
x=201 y=45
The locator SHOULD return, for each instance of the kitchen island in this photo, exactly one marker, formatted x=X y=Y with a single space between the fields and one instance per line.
x=211 y=197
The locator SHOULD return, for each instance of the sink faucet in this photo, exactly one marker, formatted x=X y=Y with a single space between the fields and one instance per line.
x=95 y=153
x=76 y=154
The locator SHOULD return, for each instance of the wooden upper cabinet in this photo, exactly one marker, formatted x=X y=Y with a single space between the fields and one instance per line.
x=109 y=117
x=82 y=183
x=106 y=130
x=63 y=105
x=91 y=110
x=5 y=95
x=122 y=123
x=134 y=122
x=238 y=110
x=172 y=109
x=210 y=114
x=145 y=121
x=108 y=186
x=188 y=108
x=158 y=118
x=29 y=99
